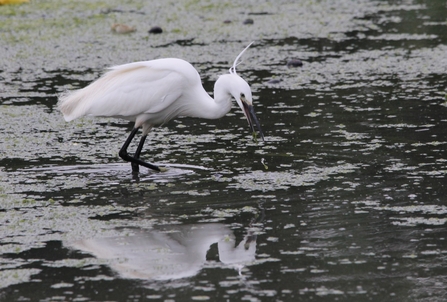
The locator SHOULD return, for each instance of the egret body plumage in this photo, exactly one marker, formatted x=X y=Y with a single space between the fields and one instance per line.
x=151 y=93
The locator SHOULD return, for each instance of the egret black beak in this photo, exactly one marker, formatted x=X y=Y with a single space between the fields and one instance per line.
x=252 y=119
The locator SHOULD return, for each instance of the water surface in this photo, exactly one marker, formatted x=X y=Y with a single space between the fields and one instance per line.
x=345 y=200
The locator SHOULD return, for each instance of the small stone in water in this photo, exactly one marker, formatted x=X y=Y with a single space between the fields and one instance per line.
x=248 y=21
x=294 y=63
x=155 y=30
x=274 y=81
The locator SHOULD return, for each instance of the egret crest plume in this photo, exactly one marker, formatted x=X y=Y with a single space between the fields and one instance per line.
x=233 y=68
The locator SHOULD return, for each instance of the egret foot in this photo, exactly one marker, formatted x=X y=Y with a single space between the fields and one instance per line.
x=135 y=160
x=136 y=167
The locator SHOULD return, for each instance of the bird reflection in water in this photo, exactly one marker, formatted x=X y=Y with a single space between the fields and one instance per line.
x=171 y=252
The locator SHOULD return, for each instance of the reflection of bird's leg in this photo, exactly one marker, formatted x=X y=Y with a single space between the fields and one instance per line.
x=135 y=160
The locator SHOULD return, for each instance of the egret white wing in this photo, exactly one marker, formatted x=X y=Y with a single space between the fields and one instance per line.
x=132 y=89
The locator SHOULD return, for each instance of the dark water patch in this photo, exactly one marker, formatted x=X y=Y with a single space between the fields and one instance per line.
x=183 y=43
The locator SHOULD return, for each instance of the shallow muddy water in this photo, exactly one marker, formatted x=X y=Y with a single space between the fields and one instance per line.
x=345 y=200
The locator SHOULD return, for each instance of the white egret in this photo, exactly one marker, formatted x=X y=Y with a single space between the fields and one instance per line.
x=151 y=93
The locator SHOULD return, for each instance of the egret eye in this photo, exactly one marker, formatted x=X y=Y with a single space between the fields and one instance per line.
x=242 y=95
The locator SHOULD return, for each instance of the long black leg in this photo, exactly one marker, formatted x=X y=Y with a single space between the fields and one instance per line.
x=135 y=166
x=140 y=147
x=135 y=160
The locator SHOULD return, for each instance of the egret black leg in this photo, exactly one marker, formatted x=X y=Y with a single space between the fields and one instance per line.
x=135 y=166
x=135 y=160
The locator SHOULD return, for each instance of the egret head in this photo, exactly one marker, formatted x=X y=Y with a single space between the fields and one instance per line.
x=241 y=91
x=232 y=85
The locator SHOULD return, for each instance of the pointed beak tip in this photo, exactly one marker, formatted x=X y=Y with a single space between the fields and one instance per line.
x=252 y=119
